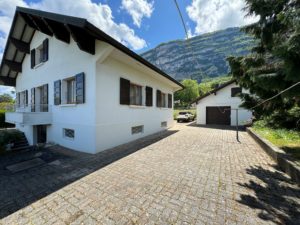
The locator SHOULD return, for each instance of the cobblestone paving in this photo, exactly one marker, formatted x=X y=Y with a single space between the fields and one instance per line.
x=194 y=176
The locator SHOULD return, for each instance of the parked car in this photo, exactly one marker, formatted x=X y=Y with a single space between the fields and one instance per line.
x=185 y=117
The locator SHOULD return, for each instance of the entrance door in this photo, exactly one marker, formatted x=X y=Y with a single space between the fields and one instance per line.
x=41 y=131
x=218 y=115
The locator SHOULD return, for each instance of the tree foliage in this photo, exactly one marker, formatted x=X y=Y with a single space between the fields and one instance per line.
x=274 y=63
x=189 y=93
x=6 y=98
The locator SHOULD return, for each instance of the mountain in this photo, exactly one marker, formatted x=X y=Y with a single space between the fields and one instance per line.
x=203 y=56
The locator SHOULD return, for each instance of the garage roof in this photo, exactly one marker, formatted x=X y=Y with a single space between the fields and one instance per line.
x=27 y=21
x=214 y=91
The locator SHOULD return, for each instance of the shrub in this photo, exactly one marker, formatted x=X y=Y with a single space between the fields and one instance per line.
x=9 y=136
x=3 y=124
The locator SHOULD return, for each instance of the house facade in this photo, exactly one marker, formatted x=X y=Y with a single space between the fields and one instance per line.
x=221 y=106
x=78 y=87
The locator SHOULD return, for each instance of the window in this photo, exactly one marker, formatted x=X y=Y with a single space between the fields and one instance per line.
x=71 y=91
x=69 y=133
x=137 y=129
x=136 y=94
x=163 y=124
x=236 y=91
x=163 y=100
x=39 y=54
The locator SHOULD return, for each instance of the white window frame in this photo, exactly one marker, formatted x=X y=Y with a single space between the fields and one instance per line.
x=142 y=95
x=39 y=53
x=65 y=91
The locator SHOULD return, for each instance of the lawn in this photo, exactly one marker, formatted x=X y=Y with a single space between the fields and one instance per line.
x=287 y=140
x=176 y=111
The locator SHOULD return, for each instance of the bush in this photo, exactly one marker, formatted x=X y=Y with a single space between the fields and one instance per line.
x=9 y=136
x=3 y=124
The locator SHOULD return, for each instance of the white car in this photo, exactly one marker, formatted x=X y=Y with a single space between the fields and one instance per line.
x=185 y=116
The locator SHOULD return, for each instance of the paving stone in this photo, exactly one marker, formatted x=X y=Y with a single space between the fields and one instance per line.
x=188 y=175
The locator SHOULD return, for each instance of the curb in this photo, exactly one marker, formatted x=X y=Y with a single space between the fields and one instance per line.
x=284 y=161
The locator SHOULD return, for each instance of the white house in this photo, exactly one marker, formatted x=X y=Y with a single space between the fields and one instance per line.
x=219 y=106
x=78 y=87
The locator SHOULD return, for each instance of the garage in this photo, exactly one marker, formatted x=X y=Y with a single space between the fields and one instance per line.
x=218 y=115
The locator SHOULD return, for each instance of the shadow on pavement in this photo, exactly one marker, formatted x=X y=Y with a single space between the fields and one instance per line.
x=275 y=195
x=63 y=166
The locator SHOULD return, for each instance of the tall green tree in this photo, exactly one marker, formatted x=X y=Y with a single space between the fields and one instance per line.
x=274 y=63
x=189 y=93
x=6 y=98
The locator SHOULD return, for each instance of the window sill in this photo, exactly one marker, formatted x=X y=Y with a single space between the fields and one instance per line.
x=68 y=105
x=137 y=106
x=38 y=65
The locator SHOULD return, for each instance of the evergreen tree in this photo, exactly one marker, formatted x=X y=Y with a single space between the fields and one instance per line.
x=274 y=64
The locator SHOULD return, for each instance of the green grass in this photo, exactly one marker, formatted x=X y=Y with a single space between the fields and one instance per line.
x=287 y=140
x=176 y=111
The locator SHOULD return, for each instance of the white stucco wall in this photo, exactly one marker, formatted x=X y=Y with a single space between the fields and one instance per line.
x=114 y=121
x=223 y=98
x=65 y=60
x=101 y=122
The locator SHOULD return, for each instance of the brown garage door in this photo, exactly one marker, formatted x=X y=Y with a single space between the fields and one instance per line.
x=218 y=115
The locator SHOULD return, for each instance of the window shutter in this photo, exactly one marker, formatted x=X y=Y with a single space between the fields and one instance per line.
x=45 y=98
x=57 y=92
x=32 y=99
x=149 y=96
x=158 y=98
x=170 y=103
x=32 y=54
x=124 y=91
x=79 y=80
x=45 y=50
x=18 y=98
x=26 y=97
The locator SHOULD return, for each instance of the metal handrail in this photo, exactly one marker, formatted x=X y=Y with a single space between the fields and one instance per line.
x=28 y=108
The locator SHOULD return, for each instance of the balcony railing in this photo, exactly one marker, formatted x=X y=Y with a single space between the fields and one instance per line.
x=28 y=108
x=31 y=114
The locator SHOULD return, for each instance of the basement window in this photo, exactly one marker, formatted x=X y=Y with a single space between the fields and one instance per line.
x=69 y=133
x=137 y=129
x=163 y=124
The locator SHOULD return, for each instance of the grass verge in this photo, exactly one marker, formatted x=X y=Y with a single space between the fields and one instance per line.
x=287 y=140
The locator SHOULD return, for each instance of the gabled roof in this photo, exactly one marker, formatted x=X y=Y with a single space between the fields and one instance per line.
x=27 y=21
x=214 y=91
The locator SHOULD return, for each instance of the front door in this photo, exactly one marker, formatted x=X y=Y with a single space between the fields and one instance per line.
x=41 y=131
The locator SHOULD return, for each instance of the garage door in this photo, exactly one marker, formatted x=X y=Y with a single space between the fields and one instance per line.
x=218 y=115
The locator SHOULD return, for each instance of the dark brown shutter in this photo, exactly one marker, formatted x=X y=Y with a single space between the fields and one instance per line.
x=79 y=79
x=32 y=100
x=158 y=98
x=26 y=97
x=18 y=98
x=45 y=98
x=45 y=50
x=124 y=91
x=32 y=55
x=57 y=92
x=170 y=103
x=149 y=96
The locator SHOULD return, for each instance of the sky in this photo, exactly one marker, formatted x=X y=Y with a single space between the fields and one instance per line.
x=138 y=24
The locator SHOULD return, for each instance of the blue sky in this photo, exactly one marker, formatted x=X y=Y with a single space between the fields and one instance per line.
x=138 y=24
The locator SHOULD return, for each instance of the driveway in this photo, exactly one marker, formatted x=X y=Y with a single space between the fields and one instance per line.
x=188 y=175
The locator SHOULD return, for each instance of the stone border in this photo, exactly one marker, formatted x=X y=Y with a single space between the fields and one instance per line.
x=284 y=161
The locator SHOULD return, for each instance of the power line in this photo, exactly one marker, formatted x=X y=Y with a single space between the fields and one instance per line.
x=269 y=99
x=187 y=35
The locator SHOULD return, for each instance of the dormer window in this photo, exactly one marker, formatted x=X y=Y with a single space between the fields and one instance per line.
x=40 y=54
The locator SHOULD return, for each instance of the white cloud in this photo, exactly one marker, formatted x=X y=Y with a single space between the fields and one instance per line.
x=98 y=14
x=212 y=15
x=138 y=9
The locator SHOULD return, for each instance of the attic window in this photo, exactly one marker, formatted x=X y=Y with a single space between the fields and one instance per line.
x=39 y=54
x=235 y=92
